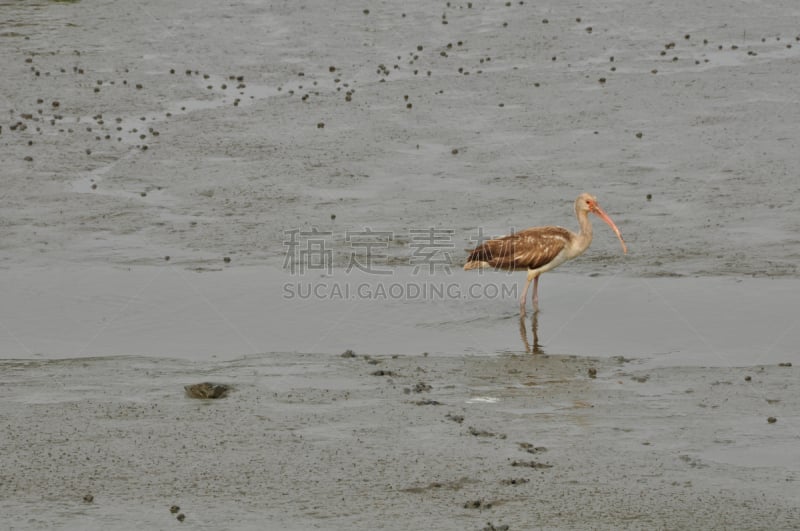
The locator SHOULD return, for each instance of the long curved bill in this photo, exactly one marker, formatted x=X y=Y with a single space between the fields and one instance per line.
x=602 y=215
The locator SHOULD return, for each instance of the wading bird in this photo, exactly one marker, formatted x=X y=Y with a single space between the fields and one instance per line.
x=540 y=249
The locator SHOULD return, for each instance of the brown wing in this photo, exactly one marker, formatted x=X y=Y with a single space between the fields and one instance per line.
x=527 y=249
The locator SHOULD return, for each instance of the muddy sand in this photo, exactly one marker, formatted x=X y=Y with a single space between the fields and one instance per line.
x=309 y=441
x=159 y=156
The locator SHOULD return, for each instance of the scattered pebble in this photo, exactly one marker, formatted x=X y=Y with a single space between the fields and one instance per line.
x=174 y=509
x=88 y=498
x=772 y=420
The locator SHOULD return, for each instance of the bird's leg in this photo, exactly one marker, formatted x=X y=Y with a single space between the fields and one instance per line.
x=535 y=293
x=524 y=295
x=523 y=333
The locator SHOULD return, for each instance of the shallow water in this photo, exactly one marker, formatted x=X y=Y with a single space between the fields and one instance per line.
x=224 y=315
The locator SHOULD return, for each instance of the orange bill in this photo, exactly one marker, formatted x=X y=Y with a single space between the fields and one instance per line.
x=599 y=211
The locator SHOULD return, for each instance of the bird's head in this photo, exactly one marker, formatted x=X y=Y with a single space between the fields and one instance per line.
x=588 y=203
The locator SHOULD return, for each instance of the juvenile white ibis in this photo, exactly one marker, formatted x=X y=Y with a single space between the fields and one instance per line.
x=540 y=249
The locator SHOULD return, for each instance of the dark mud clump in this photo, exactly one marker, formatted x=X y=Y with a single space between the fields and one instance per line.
x=531 y=464
x=455 y=418
x=428 y=402
x=485 y=433
x=207 y=390
x=477 y=504
x=531 y=449
x=452 y=485
x=421 y=387
x=514 y=481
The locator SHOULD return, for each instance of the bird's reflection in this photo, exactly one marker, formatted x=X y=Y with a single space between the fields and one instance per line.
x=523 y=332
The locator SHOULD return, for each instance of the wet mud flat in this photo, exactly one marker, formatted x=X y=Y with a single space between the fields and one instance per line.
x=153 y=163
x=360 y=441
x=203 y=133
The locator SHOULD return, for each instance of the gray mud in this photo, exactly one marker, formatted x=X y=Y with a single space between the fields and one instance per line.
x=155 y=154
x=316 y=441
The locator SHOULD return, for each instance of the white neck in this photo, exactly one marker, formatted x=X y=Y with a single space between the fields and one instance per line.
x=584 y=238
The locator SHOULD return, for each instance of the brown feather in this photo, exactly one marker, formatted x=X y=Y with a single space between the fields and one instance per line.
x=528 y=249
